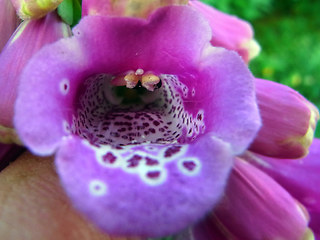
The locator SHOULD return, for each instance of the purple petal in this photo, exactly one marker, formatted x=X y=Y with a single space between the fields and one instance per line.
x=231 y=108
x=214 y=85
x=9 y=21
x=255 y=207
x=32 y=9
x=289 y=121
x=26 y=41
x=128 y=8
x=144 y=190
x=229 y=31
x=299 y=177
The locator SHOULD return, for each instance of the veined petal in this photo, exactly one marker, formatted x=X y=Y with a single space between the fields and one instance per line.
x=125 y=8
x=229 y=31
x=26 y=41
x=299 y=177
x=145 y=190
x=227 y=113
x=289 y=121
x=32 y=9
x=9 y=21
x=255 y=207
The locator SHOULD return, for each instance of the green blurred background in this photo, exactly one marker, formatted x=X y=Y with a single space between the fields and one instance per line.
x=288 y=32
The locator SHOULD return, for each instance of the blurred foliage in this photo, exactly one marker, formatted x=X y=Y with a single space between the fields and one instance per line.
x=289 y=34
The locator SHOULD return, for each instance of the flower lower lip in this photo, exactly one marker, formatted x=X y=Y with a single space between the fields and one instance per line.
x=137 y=116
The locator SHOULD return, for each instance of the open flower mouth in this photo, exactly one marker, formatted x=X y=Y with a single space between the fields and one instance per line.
x=118 y=115
x=146 y=142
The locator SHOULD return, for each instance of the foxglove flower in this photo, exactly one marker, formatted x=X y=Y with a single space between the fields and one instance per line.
x=24 y=43
x=145 y=117
x=9 y=21
x=128 y=8
x=254 y=206
x=229 y=31
x=299 y=177
x=32 y=9
x=289 y=121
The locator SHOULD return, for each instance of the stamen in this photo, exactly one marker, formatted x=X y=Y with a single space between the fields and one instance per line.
x=149 y=81
x=118 y=81
x=131 y=79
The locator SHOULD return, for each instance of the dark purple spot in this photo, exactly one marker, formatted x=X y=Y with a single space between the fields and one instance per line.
x=151 y=162
x=109 y=158
x=152 y=130
x=153 y=174
x=156 y=123
x=171 y=151
x=134 y=160
x=190 y=165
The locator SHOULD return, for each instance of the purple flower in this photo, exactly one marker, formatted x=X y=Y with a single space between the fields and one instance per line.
x=9 y=21
x=289 y=121
x=32 y=9
x=267 y=199
x=144 y=116
x=229 y=31
x=29 y=37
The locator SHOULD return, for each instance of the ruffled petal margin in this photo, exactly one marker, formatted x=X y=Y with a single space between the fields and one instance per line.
x=145 y=190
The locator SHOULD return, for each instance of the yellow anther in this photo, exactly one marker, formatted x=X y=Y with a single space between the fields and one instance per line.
x=149 y=81
x=131 y=79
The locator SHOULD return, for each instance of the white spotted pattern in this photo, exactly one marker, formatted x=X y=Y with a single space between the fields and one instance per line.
x=146 y=161
x=97 y=188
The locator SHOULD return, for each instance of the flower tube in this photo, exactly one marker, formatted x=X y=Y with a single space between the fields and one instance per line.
x=128 y=8
x=299 y=177
x=9 y=21
x=229 y=31
x=289 y=121
x=32 y=9
x=254 y=207
x=26 y=41
x=144 y=119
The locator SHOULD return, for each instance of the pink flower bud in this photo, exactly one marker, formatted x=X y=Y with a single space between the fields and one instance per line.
x=254 y=207
x=25 y=42
x=289 y=121
x=9 y=21
x=128 y=8
x=31 y=9
x=229 y=31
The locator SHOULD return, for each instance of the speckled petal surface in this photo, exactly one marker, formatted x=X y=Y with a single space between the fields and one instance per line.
x=146 y=190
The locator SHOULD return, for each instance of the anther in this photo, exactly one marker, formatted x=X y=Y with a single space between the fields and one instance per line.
x=150 y=81
x=131 y=79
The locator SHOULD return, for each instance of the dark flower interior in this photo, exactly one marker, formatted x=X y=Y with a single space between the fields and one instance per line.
x=118 y=115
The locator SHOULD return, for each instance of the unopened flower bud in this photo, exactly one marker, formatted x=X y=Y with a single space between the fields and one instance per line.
x=25 y=42
x=127 y=8
x=229 y=31
x=289 y=121
x=31 y=9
